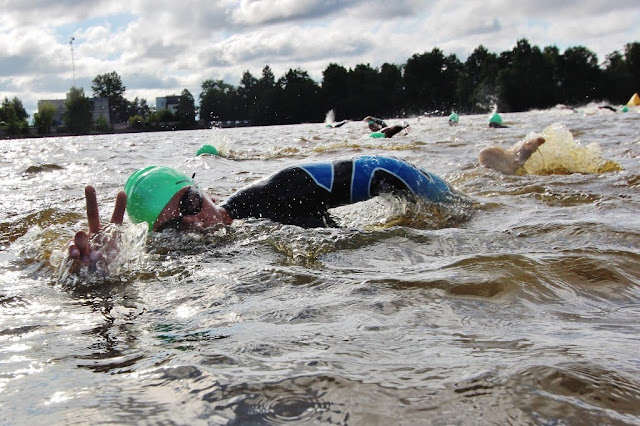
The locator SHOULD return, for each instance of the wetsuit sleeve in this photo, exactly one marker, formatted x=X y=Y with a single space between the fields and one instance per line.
x=375 y=175
x=291 y=197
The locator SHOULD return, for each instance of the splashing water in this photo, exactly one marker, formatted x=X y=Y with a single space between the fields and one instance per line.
x=562 y=154
x=330 y=117
x=123 y=249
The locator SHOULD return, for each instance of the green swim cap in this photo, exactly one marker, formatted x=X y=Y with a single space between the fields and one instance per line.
x=625 y=109
x=207 y=149
x=377 y=135
x=495 y=118
x=150 y=189
x=453 y=117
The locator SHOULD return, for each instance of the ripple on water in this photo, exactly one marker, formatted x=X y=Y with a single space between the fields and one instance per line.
x=586 y=393
x=291 y=401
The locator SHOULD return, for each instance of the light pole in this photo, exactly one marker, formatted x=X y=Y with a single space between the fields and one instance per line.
x=73 y=65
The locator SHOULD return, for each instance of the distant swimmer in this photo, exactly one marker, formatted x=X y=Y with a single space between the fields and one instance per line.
x=609 y=107
x=390 y=131
x=508 y=162
x=338 y=124
x=495 y=121
x=453 y=119
x=375 y=124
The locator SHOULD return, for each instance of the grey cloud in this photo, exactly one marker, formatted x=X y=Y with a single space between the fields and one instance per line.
x=293 y=47
x=22 y=65
x=14 y=65
x=160 y=50
x=60 y=84
x=145 y=81
x=483 y=27
x=263 y=12
x=48 y=13
x=560 y=10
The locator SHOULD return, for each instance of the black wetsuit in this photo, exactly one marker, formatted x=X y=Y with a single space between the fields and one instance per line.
x=302 y=194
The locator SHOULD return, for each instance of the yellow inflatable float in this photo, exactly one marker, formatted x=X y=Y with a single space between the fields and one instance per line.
x=634 y=101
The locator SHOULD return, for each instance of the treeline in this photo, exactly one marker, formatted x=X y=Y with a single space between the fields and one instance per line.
x=520 y=79
x=523 y=78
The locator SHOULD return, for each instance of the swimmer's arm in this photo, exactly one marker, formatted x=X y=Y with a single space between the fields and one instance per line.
x=79 y=248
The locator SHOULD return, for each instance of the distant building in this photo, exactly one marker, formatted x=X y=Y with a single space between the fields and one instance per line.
x=168 y=102
x=100 y=109
x=59 y=105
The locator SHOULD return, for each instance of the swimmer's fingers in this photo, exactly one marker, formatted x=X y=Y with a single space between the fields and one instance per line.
x=74 y=251
x=118 y=211
x=81 y=249
x=92 y=210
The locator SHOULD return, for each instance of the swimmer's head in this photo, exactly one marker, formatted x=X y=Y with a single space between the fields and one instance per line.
x=150 y=189
x=207 y=149
x=495 y=119
x=454 y=117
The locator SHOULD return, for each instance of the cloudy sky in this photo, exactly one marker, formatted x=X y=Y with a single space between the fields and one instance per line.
x=160 y=47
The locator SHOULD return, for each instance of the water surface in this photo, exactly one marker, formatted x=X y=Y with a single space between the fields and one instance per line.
x=523 y=309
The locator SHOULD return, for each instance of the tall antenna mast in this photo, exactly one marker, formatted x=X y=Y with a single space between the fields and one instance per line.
x=73 y=64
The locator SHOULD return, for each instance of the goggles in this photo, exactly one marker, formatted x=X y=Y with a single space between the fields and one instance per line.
x=191 y=203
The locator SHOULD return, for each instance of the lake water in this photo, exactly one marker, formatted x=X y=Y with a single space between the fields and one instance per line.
x=521 y=309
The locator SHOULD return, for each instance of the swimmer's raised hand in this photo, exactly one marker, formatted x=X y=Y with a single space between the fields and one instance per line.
x=80 y=249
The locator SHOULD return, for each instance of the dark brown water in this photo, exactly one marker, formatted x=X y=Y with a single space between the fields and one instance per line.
x=523 y=309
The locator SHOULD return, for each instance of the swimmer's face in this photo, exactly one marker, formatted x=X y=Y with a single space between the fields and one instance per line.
x=190 y=209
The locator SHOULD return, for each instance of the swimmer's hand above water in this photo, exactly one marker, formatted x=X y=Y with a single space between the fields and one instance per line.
x=81 y=249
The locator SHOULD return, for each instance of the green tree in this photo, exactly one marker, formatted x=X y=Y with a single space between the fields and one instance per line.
x=101 y=125
x=335 y=86
x=186 y=113
x=18 y=108
x=581 y=76
x=365 y=95
x=110 y=86
x=618 y=79
x=138 y=107
x=136 y=122
x=390 y=78
x=11 y=119
x=632 y=59
x=429 y=80
x=526 y=79
x=14 y=115
x=268 y=93
x=267 y=79
x=165 y=115
x=77 y=118
x=248 y=93
x=476 y=86
x=43 y=119
x=217 y=101
x=300 y=97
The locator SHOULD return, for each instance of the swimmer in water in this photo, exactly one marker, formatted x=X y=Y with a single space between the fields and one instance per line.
x=338 y=124
x=390 y=131
x=375 y=124
x=508 y=162
x=300 y=195
x=495 y=121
